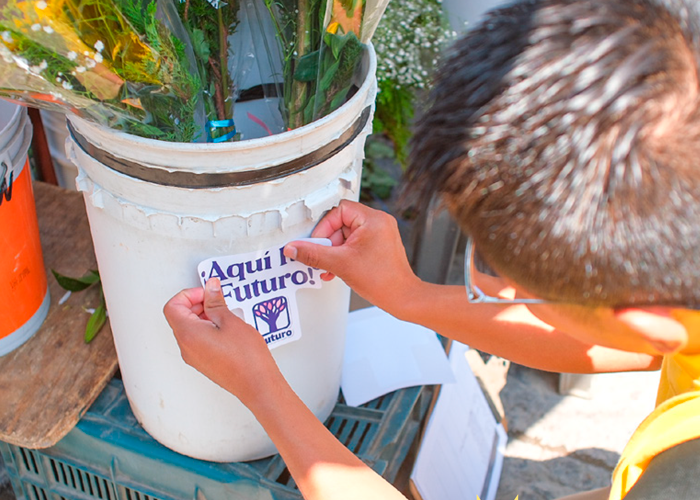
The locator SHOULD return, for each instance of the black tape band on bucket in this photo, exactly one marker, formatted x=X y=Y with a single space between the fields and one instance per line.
x=194 y=180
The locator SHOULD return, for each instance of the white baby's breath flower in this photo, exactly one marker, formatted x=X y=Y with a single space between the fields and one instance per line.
x=7 y=37
x=89 y=63
x=80 y=69
x=48 y=29
x=36 y=27
x=41 y=5
x=99 y=46
x=71 y=55
x=67 y=85
x=43 y=65
x=98 y=58
x=409 y=40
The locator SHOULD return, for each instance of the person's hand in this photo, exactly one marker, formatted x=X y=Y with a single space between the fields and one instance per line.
x=217 y=343
x=367 y=253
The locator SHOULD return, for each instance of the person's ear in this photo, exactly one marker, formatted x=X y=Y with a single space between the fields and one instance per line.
x=657 y=327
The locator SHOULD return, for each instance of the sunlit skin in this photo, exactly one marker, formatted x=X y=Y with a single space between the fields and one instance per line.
x=650 y=330
x=234 y=355
x=368 y=254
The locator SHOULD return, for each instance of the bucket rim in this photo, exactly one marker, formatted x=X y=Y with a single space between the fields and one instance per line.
x=207 y=180
x=15 y=164
x=11 y=126
x=260 y=142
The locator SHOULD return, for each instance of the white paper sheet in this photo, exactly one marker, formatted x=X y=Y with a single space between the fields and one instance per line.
x=461 y=455
x=383 y=354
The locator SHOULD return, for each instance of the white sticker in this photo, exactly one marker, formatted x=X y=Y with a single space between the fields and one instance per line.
x=263 y=285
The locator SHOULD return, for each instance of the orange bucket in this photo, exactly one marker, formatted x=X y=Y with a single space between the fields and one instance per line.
x=24 y=296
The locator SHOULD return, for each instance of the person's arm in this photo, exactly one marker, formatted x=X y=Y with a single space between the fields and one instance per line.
x=368 y=254
x=234 y=355
x=514 y=333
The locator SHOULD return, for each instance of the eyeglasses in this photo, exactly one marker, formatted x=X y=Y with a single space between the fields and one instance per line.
x=475 y=295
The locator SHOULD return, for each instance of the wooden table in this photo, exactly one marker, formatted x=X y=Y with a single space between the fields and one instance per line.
x=49 y=382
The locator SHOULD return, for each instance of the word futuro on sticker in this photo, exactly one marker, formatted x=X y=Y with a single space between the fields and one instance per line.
x=263 y=285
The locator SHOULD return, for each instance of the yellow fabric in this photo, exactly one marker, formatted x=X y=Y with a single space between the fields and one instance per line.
x=675 y=420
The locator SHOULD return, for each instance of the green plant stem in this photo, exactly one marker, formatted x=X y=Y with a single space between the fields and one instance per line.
x=300 y=89
x=223 y=58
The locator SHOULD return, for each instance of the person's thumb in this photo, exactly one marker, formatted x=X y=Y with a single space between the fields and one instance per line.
x=214 y=303
x=318 y=256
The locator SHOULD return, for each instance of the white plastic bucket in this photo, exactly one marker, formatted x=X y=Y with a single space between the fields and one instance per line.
x=206 y=200
x=24 y=294
x=56 y=136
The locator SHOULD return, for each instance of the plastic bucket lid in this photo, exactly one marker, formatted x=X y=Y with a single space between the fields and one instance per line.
x=10 y=119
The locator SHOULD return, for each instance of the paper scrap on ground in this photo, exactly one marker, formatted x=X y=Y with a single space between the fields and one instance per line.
x=261 y=288
x=461 y=455
x=383 y=354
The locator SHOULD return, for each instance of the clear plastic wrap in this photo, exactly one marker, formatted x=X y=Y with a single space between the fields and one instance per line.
x=122 y=63
x=259 y=111
x=211 y=25
x=321 y=42
x=348 y=26
x=204 y=70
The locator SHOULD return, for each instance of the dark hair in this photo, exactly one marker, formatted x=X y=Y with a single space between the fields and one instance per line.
x=564 y=136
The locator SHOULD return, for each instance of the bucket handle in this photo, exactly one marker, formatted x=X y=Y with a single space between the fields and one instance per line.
x=9 y=169
x=6 y=178
x=191 y=180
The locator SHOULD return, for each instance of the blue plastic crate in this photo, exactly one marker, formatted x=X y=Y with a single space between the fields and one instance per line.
x=108 y=456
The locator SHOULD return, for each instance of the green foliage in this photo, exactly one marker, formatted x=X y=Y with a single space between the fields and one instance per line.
x=98 y=318
x=394 y=115
x=376 y=181
x=134 y=13
x=112 y=61
x=96 y=322
x=200 y=44
x=77 y=284
x=318 y=65
x=408 y=41
x=209 y=28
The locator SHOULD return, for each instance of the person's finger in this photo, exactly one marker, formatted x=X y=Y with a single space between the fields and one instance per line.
x=329 y=224
x=184 y=305
x=347 y=215
x=198 y=309
x=337 y=238
x=214 y=303
x=188 y=297
x=312 y=254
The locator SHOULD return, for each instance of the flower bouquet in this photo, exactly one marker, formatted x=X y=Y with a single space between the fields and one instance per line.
x=122 y=63
x=177 y=72
x=321 y=42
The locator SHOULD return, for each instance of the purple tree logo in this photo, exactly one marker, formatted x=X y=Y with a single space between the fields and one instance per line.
x=271 y=312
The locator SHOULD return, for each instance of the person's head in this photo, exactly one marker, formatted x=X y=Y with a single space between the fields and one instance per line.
x=563 y=136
